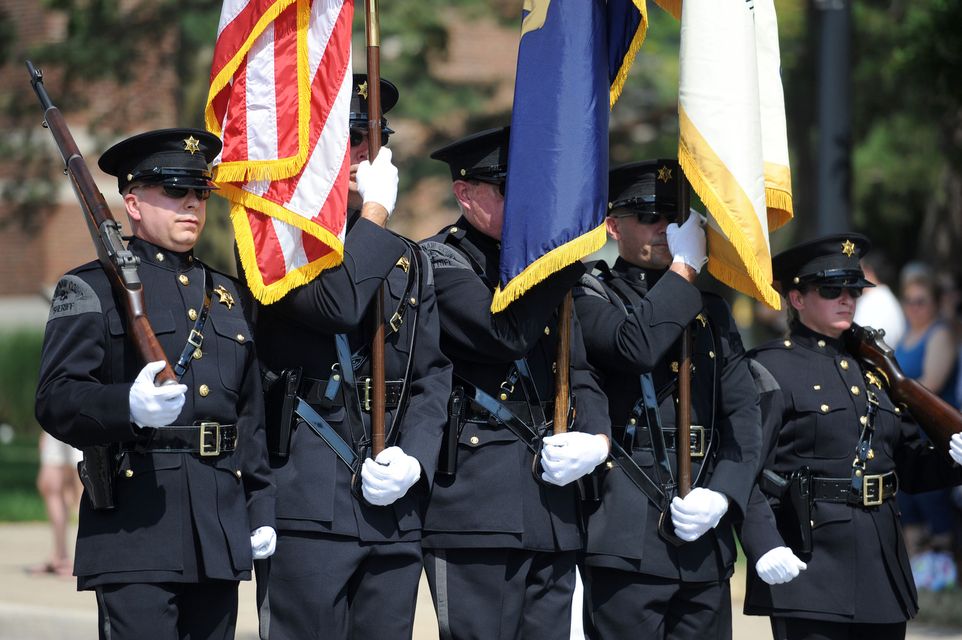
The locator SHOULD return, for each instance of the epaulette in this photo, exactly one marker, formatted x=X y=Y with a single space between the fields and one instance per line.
x=765 y=382
x=589 y=285
x=442 y=256
x=783 y=344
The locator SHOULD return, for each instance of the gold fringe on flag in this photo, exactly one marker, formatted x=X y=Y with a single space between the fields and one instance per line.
x=551 y=262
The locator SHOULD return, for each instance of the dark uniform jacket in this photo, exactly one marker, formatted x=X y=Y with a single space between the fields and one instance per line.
x=494 y=500
x=179 y=517
x=632 y=321
x=813 y=397
x=314 y=486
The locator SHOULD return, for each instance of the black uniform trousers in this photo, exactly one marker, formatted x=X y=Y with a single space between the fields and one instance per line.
x=372 y=587
x=503 y=594
x=801 y=629
x=168 y=610
x=625 y=604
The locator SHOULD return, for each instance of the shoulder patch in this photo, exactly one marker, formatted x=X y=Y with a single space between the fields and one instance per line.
x=425 y=262
x=443 y=256
x=765 y=382
x=72 y=297
x=589 y=285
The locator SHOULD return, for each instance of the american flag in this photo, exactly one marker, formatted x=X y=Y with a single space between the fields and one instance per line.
x=280 y=92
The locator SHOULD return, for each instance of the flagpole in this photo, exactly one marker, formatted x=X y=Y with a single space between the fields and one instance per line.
x=372 y=32
x=562 y=391
x=683 y=422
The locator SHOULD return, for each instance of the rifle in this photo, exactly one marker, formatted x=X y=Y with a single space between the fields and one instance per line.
x=937 y=417
x=118 y=262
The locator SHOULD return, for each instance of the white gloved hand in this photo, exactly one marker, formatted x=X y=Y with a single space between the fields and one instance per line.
x=565 y=457
x=687 y=242
x=779 y=565
x=263 y=542
x=388 y=476
x=955 y=448
x=377 y=181
x=152 y=406
x=698 y=512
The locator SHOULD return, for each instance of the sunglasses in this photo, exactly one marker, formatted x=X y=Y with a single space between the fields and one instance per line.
x=178 y=193
x=360 y=135
x=831 y=292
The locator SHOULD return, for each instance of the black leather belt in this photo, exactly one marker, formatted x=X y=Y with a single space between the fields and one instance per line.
x=876 y=489
x=697 y=438
x=207 y=439
x=313 y=390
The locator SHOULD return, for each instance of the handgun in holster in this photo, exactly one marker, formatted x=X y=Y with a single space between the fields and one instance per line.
x=280 y=400
x=448 y=456
x=794 y=515
x=97 y=471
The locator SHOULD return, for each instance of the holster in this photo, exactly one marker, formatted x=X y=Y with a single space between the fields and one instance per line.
x=448 y=456
x=97 y=471
x=590 y=485
x=280 y=399
x=800 y=499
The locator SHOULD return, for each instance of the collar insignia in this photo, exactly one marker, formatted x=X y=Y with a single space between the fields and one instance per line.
x=225 y=297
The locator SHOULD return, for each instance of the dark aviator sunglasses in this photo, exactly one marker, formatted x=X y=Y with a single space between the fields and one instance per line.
x=831 y=291
x=360 y=135
x=178 y=193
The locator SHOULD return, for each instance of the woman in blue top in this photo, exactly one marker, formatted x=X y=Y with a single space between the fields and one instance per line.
x=927 y=352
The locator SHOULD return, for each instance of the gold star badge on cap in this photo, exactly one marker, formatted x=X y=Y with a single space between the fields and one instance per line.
x=664 y=174
x=225 y=297
x=848 y=248
x=191 y=145
x=362 y=89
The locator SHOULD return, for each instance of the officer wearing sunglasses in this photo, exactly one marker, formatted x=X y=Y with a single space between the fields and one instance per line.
x=192 y=491
x=822 y=532
x=637 y=583
x=359 y=130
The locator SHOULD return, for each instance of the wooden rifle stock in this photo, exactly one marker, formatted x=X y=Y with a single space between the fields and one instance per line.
x=937 y=417
x=118 y=262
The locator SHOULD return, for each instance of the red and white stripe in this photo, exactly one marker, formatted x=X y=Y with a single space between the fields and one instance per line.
x=280 y=98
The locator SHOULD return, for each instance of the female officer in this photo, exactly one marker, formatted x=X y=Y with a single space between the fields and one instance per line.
x=837 y=451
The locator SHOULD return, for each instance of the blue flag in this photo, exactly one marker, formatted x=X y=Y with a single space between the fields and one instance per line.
x=572 y=63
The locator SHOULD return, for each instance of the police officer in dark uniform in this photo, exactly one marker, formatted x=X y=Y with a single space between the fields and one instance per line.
x=836 y=451
x=501 y=538
x=637 y=582
x=192 y=491
x=349 y=555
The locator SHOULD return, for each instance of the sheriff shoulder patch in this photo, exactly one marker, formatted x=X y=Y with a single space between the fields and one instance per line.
x=72 y=297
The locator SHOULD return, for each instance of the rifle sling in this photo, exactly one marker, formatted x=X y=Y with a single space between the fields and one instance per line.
x=524 y=432
x=326 y=432
x=638 y=477
x=196 y=336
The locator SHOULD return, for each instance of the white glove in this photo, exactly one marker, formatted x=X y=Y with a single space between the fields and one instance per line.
x=698 y=512
x=152 y=406
x=687 y=242
x=565 y=457
x=779 y=565
x=377 y=181
x=955 y=448
x=263 y=542
x=388 y=476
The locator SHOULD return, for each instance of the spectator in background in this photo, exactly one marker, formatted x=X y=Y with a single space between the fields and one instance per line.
x=878 y=307
x=59 y=485
x=927 y=352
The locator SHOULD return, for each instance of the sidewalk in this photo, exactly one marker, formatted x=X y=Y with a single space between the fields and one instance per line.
x=50 y=608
